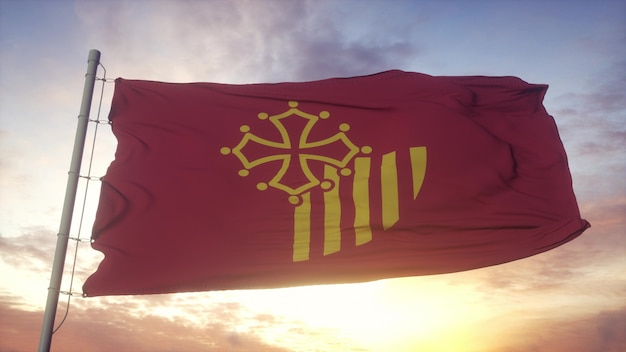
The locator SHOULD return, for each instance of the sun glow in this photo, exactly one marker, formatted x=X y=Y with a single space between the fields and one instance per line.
x=374 y=314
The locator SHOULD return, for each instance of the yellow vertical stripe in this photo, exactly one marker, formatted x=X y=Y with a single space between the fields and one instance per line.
x=418 y=168
x=389 y=185
x=302 y=229
x=332 y=213
x=361 y=196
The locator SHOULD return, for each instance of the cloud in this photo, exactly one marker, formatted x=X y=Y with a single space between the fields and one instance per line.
x=610 y=141
x=181 y=322
x=604 y=331
x=347 y=59
x=546 y=273
x=559 y=277
x=592 y=124
x=599 y=103
x=112 y=328
x=33 y=250
x=236 y=42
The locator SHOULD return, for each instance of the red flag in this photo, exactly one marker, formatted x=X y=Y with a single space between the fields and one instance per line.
x=219 y=186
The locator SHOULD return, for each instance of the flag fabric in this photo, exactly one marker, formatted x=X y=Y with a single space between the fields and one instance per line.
x=218 y=186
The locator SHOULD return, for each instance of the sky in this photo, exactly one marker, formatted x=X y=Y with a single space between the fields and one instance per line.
x=572 y=298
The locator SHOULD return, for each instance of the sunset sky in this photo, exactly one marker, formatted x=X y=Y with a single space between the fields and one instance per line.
x=572 y=298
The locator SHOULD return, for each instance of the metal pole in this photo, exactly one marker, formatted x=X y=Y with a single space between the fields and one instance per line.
x=68 y=205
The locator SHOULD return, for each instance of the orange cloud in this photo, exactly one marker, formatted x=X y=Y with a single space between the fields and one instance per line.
x=110 y=329
x=605 y=331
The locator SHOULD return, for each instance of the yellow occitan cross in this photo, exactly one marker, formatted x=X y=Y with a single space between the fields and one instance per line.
x=303 y=150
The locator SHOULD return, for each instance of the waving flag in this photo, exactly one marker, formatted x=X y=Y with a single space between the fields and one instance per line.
x=218 y=186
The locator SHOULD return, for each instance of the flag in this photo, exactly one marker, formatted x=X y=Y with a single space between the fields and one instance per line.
x=218 y=186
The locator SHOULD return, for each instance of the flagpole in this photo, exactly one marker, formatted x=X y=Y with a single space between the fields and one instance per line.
x=68 y=205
